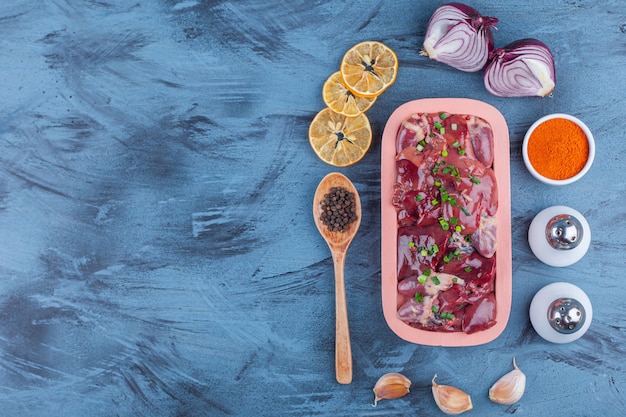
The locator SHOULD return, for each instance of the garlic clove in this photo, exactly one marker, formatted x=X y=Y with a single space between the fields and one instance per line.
x=451 y=400
x=510 y=388
x=390 y=386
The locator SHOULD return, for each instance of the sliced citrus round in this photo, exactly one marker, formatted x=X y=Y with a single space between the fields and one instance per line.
x=369 y=68
x=341 y=100
x=339 y=140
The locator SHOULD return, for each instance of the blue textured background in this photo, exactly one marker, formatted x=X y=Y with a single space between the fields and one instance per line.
x=157 y=251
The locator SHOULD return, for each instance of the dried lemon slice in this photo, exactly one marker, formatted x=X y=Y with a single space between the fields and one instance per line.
x=339 y=140
x=341 y=100
x=369 y=68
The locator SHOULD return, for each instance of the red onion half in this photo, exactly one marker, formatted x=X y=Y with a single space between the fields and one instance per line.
x=521 y=69
x=457 y=35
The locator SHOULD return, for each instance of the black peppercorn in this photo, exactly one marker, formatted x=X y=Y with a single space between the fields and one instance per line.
x=338 y=209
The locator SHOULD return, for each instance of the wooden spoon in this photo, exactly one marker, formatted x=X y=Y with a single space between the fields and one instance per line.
x=338 y=242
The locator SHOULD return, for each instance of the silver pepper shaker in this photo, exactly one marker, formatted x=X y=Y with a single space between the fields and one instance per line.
x=561 y=312
x=559 y=236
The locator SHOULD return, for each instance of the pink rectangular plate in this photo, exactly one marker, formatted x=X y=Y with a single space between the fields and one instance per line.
x=389 y=253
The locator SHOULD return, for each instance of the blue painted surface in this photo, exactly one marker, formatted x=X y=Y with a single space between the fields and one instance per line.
x=157 y=252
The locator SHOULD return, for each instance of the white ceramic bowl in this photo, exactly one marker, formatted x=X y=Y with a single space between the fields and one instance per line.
x=582 y=172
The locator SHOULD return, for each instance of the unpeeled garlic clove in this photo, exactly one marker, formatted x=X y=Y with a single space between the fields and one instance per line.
x=451 y=400
x=510 y=388
x=390 y=386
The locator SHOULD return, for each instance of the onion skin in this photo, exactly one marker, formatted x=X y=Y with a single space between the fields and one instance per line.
x=457 y=35
x=523 y=68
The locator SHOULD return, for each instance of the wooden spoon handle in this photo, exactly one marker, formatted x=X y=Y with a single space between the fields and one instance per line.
x=343 y=351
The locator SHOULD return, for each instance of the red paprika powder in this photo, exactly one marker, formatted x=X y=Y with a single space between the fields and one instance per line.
x=558 y=149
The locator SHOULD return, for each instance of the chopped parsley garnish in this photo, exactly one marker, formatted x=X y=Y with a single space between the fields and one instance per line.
x=446 y=315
